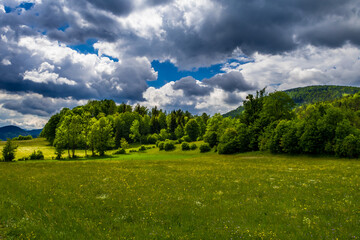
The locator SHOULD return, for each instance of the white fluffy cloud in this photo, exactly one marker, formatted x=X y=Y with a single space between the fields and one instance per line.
x=305 y=66
x=216 y=101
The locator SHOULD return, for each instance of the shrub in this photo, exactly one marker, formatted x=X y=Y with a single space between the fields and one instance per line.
x=193 y=146
x=185 y=146
x=20 y=137
x=38 y=155
x=169 y=146
x=152 y=139
x=349 y=147
x=228 y=147
x=161 y=145
x=124 y=144
x=120 y=151
x=9 y=151
x=186 y=138
x=142 y=148
x=205 y=147
x=133 y=150
x=163 y=135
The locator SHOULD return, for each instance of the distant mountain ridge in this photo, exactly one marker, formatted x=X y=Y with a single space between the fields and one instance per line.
x=310 y=94
x=14 y=131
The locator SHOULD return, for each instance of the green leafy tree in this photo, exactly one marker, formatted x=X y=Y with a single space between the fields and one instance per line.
x=9 y=151
x=202 y=126
x=135 y=131
x=124 y=144
x=101 y=135
x=162 y=120
x=211 y=133
x=86 y=128
x=179 y=132
x=192 y=129
x=69 y=133
x=277 y=106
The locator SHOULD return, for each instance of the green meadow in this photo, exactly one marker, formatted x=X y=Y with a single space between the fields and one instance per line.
x=179 y=195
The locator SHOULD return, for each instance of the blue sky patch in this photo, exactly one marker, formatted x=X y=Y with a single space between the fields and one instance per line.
x=64 y=27
x=25 y=5
x=168 y=72
x=111 y=58
x=86 y=48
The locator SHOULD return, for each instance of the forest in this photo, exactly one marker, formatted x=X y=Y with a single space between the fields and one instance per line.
x=269 y=122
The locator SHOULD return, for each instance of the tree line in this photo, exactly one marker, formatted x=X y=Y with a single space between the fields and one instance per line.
x=102 y=125
x=269 y=122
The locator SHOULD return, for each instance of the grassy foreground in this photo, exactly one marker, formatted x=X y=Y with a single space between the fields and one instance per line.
x=181 y=195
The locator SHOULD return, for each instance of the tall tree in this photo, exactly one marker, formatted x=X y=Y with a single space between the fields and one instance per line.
x=192 y=129
x=101 y=135
x=135 y=132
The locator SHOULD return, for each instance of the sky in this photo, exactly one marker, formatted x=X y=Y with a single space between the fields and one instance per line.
x=197 y=55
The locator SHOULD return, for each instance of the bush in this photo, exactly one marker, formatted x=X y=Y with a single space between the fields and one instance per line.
x=348 y=147
x=185 y=146
x=120 y=151
x=152 y=139
x=133 y=150
x=228 y=147
x=161 y=145
x=193 y=146
x=205 y=147
x=20 y=137
x=142 y=148
x=169 y=146
x=38 y=155
x=124 y=144
x=186 y=138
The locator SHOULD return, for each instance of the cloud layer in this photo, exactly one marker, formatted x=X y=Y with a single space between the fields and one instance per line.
x=285 y=44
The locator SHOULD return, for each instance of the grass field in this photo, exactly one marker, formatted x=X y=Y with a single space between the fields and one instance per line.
x=181 y=195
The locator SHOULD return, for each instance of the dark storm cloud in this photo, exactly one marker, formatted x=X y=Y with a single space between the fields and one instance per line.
x=71 y=75
x=191 y=88
x=252 y=26
x=35 y=104
x=270 y=27
x=118 y=7
x=230 y=82
x=32 y=105
x=233 y=99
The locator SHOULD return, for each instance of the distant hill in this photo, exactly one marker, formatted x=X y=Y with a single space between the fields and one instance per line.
x=311 y=94
x=13 y=131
